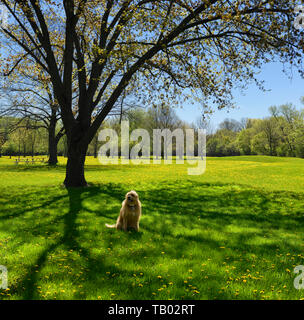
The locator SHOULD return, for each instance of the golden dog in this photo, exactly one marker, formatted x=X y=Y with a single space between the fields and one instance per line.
x=130 y=213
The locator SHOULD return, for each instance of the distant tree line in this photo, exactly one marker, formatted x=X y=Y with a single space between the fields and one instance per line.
x=280 y=134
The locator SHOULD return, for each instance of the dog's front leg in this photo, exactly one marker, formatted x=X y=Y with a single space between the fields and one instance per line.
x=124 y=225
x=137 y=226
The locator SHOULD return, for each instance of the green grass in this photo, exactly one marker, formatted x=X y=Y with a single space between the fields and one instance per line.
x=235 y=232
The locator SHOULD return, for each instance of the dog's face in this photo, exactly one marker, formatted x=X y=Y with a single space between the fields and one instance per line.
x=132 y=198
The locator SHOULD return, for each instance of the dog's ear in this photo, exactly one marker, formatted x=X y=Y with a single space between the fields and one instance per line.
x=135 y=193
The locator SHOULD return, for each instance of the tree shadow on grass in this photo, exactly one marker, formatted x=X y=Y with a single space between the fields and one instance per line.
x=220 y=205
x=69 y=240
x=180 y=215
x=247 y=221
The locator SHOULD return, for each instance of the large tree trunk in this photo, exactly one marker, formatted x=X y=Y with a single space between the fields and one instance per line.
x=75 y=166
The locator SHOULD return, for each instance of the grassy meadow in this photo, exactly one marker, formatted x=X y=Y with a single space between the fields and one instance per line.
x=235 y=232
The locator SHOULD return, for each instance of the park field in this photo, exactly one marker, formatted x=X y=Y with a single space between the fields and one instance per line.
x=235 y=232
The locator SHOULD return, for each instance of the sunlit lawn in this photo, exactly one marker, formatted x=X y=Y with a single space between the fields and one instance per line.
x=235 y=232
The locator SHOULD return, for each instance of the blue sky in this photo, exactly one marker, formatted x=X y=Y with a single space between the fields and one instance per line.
x=254 y=103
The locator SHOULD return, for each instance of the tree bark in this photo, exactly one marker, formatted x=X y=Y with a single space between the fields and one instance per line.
x=52 y=146
x=52 y=138
x=75 y=170
x=75 y=165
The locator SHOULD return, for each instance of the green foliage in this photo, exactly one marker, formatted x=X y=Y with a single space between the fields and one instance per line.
x=24 y=137
x=244 y=141
x=300 y=146
x=281 y=134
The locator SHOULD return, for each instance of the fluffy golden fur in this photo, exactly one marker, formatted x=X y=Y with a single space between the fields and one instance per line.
x=130 y=213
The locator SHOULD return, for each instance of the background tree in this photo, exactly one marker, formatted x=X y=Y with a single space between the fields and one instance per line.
x=231 y=125
x=255 y=138
x=286 y=117
x=4 y=133
x=30 y=97
x=244 y=141
x=223 y=143
x=205 y=123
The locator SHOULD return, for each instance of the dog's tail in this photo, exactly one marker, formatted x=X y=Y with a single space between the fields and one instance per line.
x=110 y=225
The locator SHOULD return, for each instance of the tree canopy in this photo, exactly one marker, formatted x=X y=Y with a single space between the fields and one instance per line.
x=159 y=50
